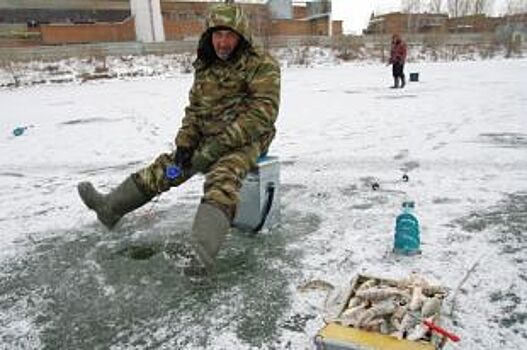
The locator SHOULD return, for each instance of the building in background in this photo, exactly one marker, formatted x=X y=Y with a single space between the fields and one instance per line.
x=473 y=24
x=267 y=17
x=424 y=23
x=281 y=9
x=148 y=20
x=63 y=11
x=86 y=21
x=312 y=18
x=397 y=22
x=34 y=22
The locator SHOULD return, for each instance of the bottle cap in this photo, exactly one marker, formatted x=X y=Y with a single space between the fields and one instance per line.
x=408 y=204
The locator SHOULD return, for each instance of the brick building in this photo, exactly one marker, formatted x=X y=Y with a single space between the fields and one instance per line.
x=63 y=11
x=473 y=24
x=422 y=23
x=187 y=19
x=398 y=22
x=59 y=21
x=299 y=12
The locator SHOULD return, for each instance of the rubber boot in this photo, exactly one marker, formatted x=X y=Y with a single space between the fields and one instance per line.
x=395 y=83
x=210 y=227
x=403 y=81
x=111 y=207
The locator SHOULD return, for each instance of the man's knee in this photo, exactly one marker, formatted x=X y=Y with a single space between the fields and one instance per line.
x=222 y=187
x=224 y=181
x=225 y=196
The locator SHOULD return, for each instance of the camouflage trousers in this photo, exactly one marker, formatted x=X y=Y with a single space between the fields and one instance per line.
x=223 y=179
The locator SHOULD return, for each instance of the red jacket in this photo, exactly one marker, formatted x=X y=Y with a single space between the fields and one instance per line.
x=398 y=51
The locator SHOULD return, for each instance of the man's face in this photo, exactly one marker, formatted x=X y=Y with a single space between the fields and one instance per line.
x=224 y=42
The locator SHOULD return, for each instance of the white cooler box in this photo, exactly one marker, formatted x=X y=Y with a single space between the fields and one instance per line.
x=259 y=206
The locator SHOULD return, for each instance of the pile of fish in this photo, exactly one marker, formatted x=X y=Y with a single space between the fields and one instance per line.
x=391 y=307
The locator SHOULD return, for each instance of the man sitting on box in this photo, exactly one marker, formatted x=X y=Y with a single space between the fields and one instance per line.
x=228 y=124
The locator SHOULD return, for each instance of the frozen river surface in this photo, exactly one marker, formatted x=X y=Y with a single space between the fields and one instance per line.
x=460 y=134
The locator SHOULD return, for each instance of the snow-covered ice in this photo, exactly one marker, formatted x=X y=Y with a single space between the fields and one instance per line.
x=460 y=134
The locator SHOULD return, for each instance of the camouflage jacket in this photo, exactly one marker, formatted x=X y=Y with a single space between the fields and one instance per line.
x=233 y=103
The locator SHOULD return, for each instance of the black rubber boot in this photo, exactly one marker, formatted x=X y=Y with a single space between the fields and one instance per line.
x=210 y=227
x=111 y=207
x=403 y=81
x=395 y=83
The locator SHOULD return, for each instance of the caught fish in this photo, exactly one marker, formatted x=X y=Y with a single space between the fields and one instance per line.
x=355 y=301
x=407 y=323
x=316 y=285
x=384 y=328
x=385 y=307
x=419 y=332
x=351 y=317
x=393 y=307
x=417 y=298
x=431 y=307
x=365 y=285
x=397 y=316
x=374 y=325
x=380 y=293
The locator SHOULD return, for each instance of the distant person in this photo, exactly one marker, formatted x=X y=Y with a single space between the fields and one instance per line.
x=397 y=59
x=228 y=124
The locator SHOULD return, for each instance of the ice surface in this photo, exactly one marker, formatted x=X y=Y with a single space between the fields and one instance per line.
x=460 y=134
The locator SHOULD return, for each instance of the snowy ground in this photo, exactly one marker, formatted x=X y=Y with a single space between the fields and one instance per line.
x=460 y=134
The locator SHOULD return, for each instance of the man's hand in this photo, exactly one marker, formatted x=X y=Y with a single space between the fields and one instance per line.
x=182 y=156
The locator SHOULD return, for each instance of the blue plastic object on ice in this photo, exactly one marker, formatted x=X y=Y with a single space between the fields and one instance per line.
x=19 y=130
x=407 y=236
x=172 y=172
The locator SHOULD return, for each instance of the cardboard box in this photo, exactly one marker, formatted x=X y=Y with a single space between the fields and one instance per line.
x=334 y=336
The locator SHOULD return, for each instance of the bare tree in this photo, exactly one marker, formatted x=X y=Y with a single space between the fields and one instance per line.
x=511 y=41
x=515 y=6
x=411 y=6
x=481 y=6
x=453 y=8
x=413 y=9
x=436 y=6
x=459 y=8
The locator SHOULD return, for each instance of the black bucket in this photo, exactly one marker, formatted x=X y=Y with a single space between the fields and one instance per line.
x=414 y=76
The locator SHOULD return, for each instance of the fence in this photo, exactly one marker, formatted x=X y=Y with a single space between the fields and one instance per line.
x=379 y=44
x=49 y=53
x=87 y=33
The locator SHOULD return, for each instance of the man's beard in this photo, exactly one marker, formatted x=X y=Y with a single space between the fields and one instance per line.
x=224 y=56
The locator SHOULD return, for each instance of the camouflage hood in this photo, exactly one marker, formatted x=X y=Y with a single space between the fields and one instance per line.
x=224 y=16
x=230 y=16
